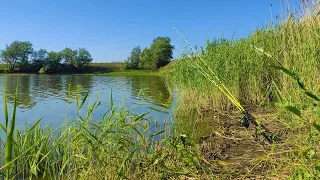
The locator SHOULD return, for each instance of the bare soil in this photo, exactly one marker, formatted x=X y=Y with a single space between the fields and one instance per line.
x=235 y=152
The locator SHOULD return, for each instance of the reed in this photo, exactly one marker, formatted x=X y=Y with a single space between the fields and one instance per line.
x=119 y=145
x=9 y=129
x=247 y=73
x=249 y=67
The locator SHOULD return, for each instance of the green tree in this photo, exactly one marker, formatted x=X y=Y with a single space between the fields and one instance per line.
x=39 y=57
x=162 y=51
x=146 y=60
x=16 y=52
x=69 y=56
x=127 y=64
x=52 y=62
x=133 y=60
x=83 y=57
x=158 y=55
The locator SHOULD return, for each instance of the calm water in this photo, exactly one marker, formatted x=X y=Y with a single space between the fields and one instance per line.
x=46 y=96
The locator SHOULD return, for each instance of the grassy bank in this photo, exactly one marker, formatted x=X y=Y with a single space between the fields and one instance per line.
x=247 y=72
x=133 y=72
x=207 y=141
x=92 y=68
x=247 y=68
x=119 y=145
x=116 y=68
x=104 y=67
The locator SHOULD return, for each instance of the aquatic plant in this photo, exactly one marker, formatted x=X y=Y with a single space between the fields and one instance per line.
x=118 y=145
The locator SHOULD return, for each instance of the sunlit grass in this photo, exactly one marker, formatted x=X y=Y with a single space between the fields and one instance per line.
x=246 y=72
x=246 y=67
x=120 y=145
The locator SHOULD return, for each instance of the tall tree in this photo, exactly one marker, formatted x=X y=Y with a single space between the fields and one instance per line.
x=16 y=52
x=134 y=59
x=39 y=57
x=52 y=62
x=162 y=51
x=146 y=60
x=69 y=56
x=83 y=57
x=127 y=64
x=159 y=54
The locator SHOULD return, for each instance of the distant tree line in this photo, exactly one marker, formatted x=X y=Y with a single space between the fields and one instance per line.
x=22 y=54
x=157 y=55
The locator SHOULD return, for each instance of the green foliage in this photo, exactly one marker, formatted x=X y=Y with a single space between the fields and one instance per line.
x=119 y=145
x=39 y=57
x=52 y=62
x=253 y=68
x=103 y=67
x=76 y=58
x=133 y=61
x=21 y=57
x=146 y=60
x=309 y=157
x=9 y=129
x=83 y=58
x=17 y=52
x=247 y=70
x=69 y=56
x=162 y=51
x=158 y=55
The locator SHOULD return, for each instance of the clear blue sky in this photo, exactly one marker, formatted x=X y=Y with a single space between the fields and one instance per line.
x=110 y=29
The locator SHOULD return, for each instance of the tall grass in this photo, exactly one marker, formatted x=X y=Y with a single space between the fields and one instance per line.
x=247 y=67
x=120 y=145
x=9 y=129
x=246 y=72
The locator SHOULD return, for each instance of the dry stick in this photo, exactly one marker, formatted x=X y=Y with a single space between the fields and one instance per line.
x=217 y=82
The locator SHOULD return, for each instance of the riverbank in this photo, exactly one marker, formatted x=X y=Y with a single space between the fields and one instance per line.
x=272 y=75
x=275 y=69
x=132 y=73
x=214 y=145
x=111 y=73
x=92 y=68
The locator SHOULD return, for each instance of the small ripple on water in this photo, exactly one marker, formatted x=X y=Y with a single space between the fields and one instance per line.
x=46 y=95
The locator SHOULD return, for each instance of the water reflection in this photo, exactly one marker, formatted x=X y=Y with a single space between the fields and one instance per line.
x=151 y=89
x=25 y=101
x=46 y=95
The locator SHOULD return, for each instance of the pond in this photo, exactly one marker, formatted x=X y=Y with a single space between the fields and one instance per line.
x=46 y=96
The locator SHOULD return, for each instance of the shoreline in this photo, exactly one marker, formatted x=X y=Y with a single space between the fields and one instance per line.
x=113 y=73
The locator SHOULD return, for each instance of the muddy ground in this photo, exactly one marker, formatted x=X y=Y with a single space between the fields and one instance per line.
x=235 y=152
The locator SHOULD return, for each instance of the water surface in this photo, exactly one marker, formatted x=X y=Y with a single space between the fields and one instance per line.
x=46 y=96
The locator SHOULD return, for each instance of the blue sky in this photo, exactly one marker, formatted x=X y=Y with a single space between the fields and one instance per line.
x=110 y=29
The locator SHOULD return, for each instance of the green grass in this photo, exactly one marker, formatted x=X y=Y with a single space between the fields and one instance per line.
x=247 y=72
x=133 y=72
x=247 y=68
x=3 y=67
x=112 y=68
x=9 y=129
x=95 y=68
x=120 y=145
x=92 y=68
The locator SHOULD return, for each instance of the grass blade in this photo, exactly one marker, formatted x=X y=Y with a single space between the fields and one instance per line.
x=286 y=71
x=312 y=96
x=83 y=100
x=111 y=100
x=10 y=137
x=294 y=110
x=5 y=108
